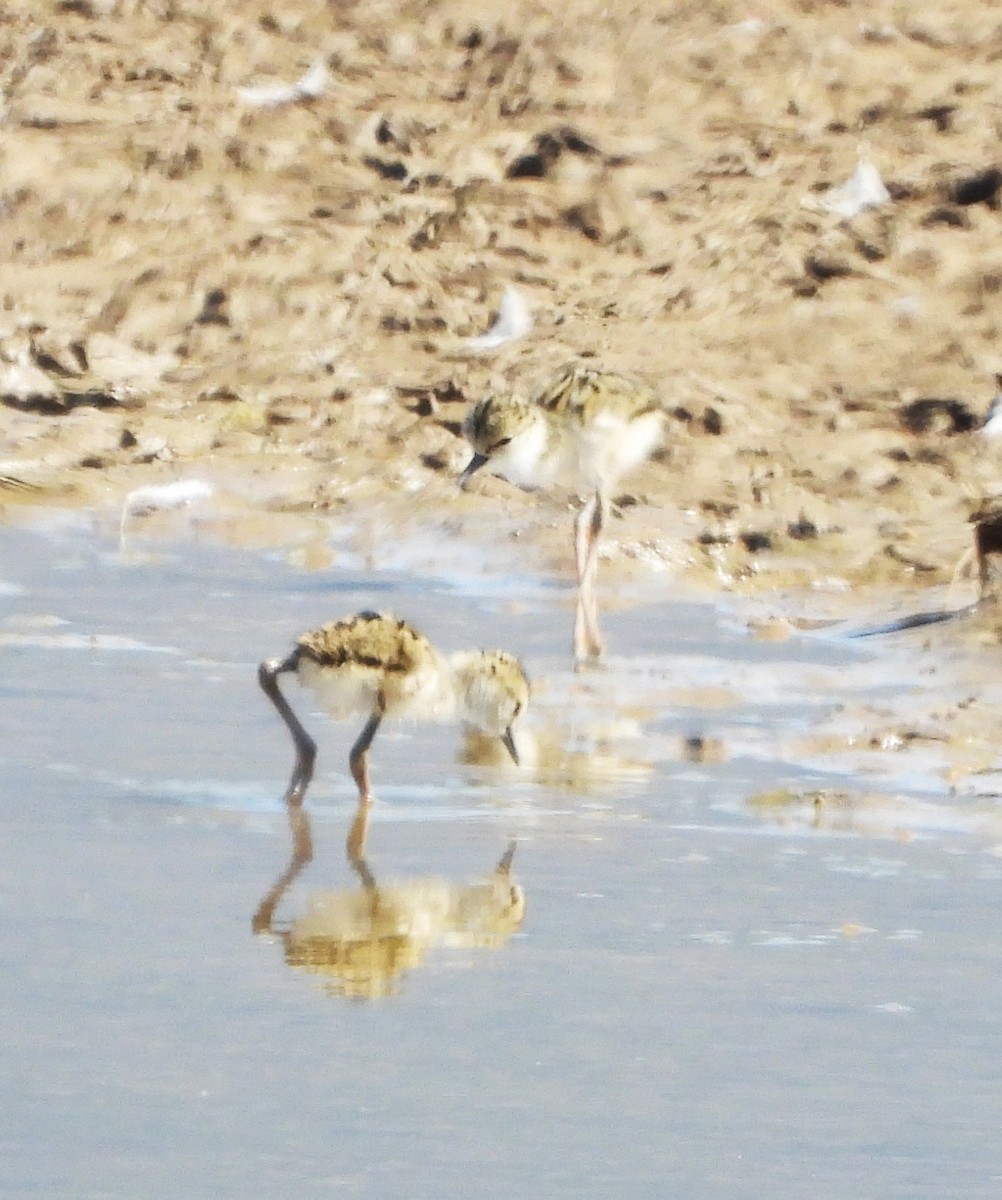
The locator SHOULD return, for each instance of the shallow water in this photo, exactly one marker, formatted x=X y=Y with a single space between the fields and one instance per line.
x=757 y=957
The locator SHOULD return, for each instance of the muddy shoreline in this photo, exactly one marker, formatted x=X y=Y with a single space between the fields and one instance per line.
x=277 y=299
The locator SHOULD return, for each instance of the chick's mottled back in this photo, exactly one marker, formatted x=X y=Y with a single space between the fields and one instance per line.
x=367 y=640
x=581 y=393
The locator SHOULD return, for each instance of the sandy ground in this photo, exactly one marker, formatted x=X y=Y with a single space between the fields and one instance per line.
x=276 y=298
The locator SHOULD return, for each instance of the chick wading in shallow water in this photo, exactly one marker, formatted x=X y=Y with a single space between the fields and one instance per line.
x=586 y=428
x=376 y=664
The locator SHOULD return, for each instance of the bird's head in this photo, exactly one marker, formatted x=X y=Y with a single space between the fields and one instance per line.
x=507 y=433
x=493 y=692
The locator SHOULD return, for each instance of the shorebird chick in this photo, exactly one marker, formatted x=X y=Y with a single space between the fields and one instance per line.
x=587 y=428
x=373 y=663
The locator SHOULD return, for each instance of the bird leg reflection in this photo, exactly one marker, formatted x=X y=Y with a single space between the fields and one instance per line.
x=302 y=855
x=355 y=846
x=504 y=865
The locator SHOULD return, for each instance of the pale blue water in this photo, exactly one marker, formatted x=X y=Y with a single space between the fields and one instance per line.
x=704 y=999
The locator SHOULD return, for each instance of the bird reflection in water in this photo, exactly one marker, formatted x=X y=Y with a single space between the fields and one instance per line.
x=593 y=764
x=361 y=941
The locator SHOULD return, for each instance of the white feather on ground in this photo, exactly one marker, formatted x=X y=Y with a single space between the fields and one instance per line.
x=310 y=86
x=514 y=320
x=862 y=190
